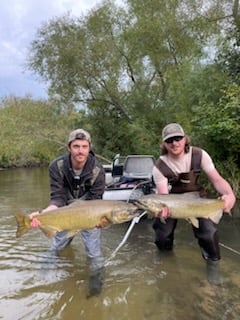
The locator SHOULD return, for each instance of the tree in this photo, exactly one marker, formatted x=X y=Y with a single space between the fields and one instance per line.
x=133 y=64
x=33 y=132
x=220 y=125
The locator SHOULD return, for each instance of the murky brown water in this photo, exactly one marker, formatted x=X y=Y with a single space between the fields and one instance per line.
x=138 y=284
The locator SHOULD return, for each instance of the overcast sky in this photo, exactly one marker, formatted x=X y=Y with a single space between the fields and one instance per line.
x=19 y=21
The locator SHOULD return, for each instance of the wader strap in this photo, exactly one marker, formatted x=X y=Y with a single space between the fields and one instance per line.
x=166 y=171
x=185 y=181
x=196 y=159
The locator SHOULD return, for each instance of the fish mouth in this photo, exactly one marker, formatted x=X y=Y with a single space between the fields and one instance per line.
x=140 y=205
x=134 y=213
x=128 y=216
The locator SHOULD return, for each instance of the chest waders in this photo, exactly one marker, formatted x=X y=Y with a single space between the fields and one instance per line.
x=180 y=183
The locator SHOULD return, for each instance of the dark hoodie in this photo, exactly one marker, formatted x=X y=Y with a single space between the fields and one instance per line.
x=65 y=186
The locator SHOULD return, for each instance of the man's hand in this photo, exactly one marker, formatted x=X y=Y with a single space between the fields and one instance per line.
x=229 y=201
x=35 y=223
x=164 y=213
x=104 y=222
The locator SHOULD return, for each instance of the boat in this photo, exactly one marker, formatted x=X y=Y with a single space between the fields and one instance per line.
x=129 y=177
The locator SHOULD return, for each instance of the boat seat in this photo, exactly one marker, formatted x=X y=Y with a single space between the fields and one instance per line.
x=138 y=167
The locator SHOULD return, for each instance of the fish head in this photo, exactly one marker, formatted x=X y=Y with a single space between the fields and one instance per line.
x=149 y=203
x=124 y=213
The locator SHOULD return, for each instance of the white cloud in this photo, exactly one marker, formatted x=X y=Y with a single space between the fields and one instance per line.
x=19 y=21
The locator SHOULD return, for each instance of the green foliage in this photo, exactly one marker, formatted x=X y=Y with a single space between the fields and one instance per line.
x=132 y=69
x=135 y=60
x=228 y=57
x=125 y=58
x=220 y=125
x=32 y=132
x=230 y=171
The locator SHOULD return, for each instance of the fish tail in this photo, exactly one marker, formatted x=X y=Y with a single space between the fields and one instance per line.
x=23 y=224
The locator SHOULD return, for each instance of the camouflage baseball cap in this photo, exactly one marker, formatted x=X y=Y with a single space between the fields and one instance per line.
x=80 y=134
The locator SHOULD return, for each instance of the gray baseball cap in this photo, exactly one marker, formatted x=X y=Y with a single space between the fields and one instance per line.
x=172 y=130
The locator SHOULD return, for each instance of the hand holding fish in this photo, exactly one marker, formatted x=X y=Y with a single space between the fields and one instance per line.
x=229 y=201
x=35 y=223
x=187 y=206
x=77 y=216
x=164 y=213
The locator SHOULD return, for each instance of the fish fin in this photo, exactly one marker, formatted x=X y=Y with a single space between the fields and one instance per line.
x=216 y=216
x=23 y=224
x=76 y=203
x=162 y=220
x=194 y=222
x=191 y=195
x=48 y=231
x=229 y=213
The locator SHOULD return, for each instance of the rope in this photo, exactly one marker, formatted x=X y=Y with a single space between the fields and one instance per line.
x=134 y=221
x=129 y=230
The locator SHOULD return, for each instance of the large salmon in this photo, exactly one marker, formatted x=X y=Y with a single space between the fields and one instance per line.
x=183 y=206
x=80 y=215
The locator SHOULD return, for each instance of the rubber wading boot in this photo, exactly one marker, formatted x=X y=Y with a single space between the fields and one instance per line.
x=213 y=272
x=95 y=283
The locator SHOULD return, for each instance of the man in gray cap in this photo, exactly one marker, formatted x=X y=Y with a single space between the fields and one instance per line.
x=177 y=171
x=78 y=175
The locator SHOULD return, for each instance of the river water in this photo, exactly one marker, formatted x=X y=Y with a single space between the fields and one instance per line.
x=138 y=283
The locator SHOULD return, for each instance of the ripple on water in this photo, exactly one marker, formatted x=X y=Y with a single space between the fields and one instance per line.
x=139 y=283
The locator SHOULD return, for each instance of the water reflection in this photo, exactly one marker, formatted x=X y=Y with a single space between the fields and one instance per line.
x=139 y=282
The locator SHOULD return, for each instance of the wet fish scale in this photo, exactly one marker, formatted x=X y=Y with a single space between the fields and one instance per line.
x=183 y=206
x=80 y=215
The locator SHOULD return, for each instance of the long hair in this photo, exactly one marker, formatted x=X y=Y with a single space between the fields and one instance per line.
x=186 y=148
